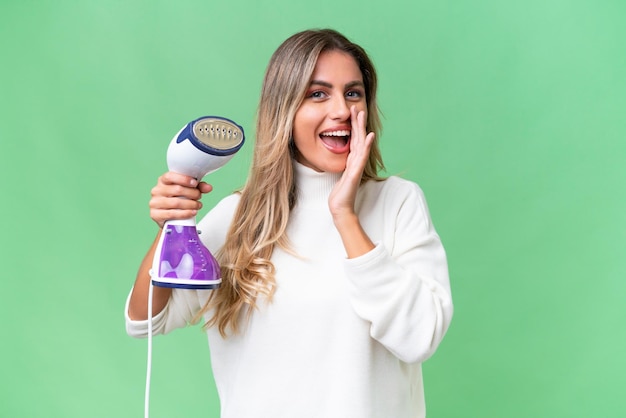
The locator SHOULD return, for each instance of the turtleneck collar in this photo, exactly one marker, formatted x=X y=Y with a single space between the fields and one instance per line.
x=313 y=186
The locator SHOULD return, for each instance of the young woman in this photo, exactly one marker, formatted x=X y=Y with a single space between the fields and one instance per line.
x=335 y=283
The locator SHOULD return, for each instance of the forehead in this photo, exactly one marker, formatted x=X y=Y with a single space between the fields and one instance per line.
x=336 y=65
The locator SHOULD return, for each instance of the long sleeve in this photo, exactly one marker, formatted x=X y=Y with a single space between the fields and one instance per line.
x=179 y=312
x=402 y=286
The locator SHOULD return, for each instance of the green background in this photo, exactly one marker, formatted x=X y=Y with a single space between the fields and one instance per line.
x=510 y=115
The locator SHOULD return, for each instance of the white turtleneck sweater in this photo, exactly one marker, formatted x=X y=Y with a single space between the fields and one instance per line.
x=342 y=338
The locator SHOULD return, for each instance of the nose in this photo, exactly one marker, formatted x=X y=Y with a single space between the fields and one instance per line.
x=339 y=108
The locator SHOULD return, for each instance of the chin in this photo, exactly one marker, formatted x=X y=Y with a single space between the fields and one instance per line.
x=325 y=165
x=336 y=169
x=332 y=167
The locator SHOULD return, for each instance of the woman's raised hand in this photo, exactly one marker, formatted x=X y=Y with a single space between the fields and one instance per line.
x=176 y=196
x=342 y=197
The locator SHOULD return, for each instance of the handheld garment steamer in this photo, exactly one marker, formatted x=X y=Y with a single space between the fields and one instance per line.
x=181 y=260
x=200 y=147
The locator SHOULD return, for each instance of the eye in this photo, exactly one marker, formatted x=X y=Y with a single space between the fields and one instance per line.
x=317 y=94
x=354 y=94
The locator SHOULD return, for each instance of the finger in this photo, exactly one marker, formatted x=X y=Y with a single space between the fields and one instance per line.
x=205 y=187
x=171 y=178
x=367 y=139
x=359 y=122
x=174 y=184
x=162 y=190
x=174 y=203
x=357 y=130
x=168 y=214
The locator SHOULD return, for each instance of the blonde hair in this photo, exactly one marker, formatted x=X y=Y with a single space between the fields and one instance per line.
x=269 y=194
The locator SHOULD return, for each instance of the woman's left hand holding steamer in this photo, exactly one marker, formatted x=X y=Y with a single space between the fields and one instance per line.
x=342 y=198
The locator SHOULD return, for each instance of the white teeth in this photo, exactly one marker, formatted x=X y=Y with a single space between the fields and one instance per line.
x=336 y=133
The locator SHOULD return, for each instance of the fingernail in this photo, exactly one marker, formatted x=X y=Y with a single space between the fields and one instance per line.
x=193 y=182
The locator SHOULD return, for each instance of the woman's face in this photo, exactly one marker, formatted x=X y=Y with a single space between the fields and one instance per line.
x=322 y=126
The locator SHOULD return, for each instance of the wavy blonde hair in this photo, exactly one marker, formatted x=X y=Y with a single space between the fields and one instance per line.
x=269 y=194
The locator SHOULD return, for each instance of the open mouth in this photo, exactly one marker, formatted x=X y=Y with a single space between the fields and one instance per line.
x=336 y=140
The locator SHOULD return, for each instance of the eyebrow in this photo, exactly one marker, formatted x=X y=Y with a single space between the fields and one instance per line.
x=328 y=85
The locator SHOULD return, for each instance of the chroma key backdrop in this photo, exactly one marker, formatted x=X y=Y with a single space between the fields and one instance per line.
x=510 y=115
